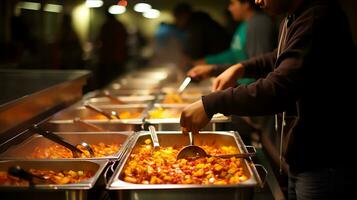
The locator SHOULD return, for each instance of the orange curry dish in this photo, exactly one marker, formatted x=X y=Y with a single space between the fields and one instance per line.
x=162 y=167
x=53 y=177
x=56 y=151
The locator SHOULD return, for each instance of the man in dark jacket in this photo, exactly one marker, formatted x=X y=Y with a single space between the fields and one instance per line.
x=308 y=79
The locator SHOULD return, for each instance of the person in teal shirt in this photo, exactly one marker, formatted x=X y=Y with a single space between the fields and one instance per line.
x=254 y=35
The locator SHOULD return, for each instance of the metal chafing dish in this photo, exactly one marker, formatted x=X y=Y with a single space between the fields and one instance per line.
x=75 y=191
x=115 y=89
x=67 y=115
x=186 y=98
x=154 y=75
x=133 y=99
x=242 y=190
x=190 y=91
x=138 y=83
x=24 y=149
x=165 y=124
x=98 y=127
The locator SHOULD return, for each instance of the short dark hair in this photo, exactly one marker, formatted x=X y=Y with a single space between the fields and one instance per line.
x=182 y=8
x=251 y=4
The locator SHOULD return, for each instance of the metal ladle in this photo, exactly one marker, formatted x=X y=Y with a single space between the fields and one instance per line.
x=193 y=152
x=109 y=115
x=59 y=140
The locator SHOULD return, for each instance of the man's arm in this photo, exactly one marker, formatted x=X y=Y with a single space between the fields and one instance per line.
x=264 y=97
x=259 y=66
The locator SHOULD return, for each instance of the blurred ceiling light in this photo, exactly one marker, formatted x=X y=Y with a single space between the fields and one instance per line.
x=115 y=9
x=94 y=3
x=151 y=14
x=142 y=7
x=53 y=8
x=122 y=3
x=29 y=5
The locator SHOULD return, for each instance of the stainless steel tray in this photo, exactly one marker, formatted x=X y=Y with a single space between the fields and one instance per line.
x=96 y=166
x=67 y=115
x=133 y=99
x=177 y=139
x=187 y=99
x=115 y=89
x=24 y=149
x=138 y=83
x=217 y=118
x=103 y=127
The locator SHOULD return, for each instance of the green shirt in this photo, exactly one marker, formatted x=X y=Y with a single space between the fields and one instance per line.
x=236 y=52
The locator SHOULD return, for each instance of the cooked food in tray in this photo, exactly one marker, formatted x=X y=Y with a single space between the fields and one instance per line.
x=174 y=98
x=160 y=113
x=56 y=151
x=52 y=177
x=162 y=167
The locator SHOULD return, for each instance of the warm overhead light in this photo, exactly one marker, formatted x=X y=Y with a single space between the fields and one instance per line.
x=53 y=8
x=142 y=7
x=29 y=5
x=94 y=3
x=115 y=9
x=152 y=14
x=122 y=3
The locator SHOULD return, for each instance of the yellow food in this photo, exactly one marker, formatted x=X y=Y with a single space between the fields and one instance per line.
x=173 y=98
x=160 y=113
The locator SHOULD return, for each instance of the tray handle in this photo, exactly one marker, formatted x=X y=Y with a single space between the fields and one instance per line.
x=110 y=167
x=262 y=173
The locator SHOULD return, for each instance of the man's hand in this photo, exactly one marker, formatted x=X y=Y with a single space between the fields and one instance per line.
x=194 y=118
x=200 y=72
x=228 y=78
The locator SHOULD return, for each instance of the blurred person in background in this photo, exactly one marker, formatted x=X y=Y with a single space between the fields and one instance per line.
x=168 y=48
x=253 y=36
x=67 y=49
x=204 y=36
x=112 y=50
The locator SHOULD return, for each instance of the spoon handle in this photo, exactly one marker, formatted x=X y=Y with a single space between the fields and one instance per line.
x=77 y=120
x=56 y=138
x=112 y=98
x=238 y=155
x=98 y=110
x=19 y=172
x=190 y=136
x=155 y=139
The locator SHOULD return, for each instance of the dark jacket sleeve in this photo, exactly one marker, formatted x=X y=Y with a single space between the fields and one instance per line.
x=259 y=66
x=256 y=67
x=264 y=97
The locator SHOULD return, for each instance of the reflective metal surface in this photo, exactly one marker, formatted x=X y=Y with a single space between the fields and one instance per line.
x=171 y=138
x=24 y=149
